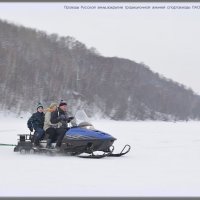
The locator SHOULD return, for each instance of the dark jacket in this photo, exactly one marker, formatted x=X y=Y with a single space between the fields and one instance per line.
x=36 y=120
x=60 y=117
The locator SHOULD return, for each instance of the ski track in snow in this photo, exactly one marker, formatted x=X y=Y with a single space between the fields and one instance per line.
x=164 y=161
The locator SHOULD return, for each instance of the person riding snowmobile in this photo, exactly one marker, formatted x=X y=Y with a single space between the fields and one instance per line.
x=60 y=117
x=49 y=128
x=36 y=122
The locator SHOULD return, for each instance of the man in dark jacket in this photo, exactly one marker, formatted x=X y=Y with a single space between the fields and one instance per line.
x=61 y=118
x=36 y=122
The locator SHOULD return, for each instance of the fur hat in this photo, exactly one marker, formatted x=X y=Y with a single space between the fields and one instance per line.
x=39 y=105
x=62 y=103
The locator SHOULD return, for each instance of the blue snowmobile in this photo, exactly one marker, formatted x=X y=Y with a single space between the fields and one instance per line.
x=83 y=141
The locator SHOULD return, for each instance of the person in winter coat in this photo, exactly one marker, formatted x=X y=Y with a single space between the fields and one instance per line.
x=36 y=122
x=61 y=118
x=48 y=126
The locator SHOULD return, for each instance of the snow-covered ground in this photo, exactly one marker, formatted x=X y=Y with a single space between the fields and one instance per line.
x=164 y=161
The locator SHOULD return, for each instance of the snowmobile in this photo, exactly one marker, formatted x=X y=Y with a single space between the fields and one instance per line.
x=82 y=140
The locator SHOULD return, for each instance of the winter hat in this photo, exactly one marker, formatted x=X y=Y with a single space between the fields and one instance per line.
x=39 y=105
x=62 y=103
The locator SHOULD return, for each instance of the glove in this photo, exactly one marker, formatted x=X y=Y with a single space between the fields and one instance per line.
x=62 y=118
x=31 y=129
x=70 y=119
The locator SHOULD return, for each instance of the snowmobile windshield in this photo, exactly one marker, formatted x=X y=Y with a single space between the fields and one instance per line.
x=83 y=120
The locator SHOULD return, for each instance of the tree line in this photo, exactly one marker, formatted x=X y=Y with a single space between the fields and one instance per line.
x=37 y=67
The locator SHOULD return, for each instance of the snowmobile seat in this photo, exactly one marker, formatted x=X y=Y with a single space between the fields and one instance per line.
x=24 y=137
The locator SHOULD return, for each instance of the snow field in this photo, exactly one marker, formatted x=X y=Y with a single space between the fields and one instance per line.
x=164 y=161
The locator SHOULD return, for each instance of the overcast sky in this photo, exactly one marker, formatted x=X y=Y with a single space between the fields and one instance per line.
x=167 y=40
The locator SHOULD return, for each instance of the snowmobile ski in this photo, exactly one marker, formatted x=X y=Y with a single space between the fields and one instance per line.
x=127 y=147
x=97 y=156
x=93 y=156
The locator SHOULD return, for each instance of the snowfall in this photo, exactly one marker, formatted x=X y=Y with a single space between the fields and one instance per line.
x=164 y=161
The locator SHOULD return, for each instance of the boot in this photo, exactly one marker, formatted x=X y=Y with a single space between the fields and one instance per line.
x=37 y=143
x=58 y=149
x=48 y=143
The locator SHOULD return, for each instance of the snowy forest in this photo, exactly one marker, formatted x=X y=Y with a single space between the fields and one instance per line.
x=37 y=67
